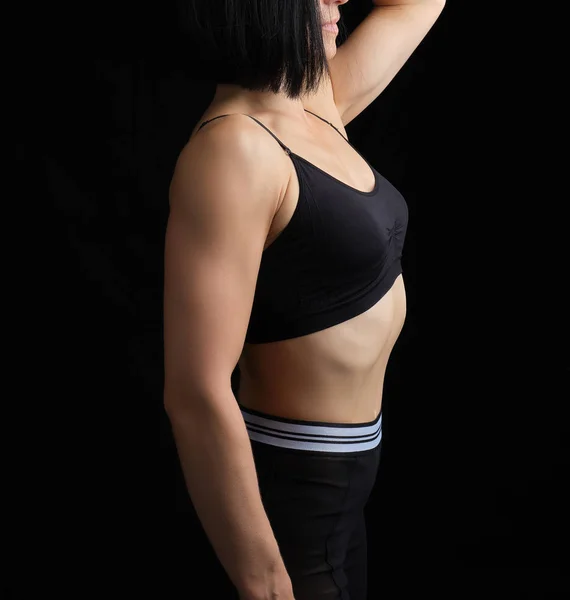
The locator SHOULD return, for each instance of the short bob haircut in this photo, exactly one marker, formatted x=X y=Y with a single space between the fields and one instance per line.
x=260 y=45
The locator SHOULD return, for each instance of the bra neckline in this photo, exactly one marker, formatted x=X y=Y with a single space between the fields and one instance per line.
x=352 y=189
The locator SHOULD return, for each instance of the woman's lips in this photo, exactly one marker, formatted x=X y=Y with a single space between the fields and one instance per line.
x=332 y=27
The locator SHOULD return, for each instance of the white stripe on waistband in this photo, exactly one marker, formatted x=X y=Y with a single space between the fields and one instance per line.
x=319 y=437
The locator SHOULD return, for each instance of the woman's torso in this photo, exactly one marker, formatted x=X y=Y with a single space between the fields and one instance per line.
x=337 y=374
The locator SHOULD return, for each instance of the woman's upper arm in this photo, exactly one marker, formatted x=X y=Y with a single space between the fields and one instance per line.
x=223 y=197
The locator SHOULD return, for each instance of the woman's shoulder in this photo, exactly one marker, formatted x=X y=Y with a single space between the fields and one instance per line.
x=221 y=129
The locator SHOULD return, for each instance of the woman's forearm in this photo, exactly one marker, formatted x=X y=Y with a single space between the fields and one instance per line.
x=217 y=461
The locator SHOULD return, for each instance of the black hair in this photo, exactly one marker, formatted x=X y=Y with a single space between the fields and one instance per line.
x=260 y=45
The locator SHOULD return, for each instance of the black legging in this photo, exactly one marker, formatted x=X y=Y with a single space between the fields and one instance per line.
x=315 y=498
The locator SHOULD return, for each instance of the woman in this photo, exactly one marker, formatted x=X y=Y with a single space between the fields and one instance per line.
x=282 y=255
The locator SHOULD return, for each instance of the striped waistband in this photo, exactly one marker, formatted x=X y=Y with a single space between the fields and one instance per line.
x=312 y=435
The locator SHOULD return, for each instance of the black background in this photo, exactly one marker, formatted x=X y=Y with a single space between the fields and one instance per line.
x=471 y=497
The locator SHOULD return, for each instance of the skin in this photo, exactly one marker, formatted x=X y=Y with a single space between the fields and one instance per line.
x=337 y=374
x=217 y=229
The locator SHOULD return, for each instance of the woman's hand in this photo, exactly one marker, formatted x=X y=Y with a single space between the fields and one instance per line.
x=279 y=588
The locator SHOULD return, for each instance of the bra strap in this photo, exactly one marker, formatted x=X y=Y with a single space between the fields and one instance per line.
x=328 y=123
x=268 y=130
x=205 y=122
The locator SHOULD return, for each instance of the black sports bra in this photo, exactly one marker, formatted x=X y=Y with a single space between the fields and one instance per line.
x=338 y=255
